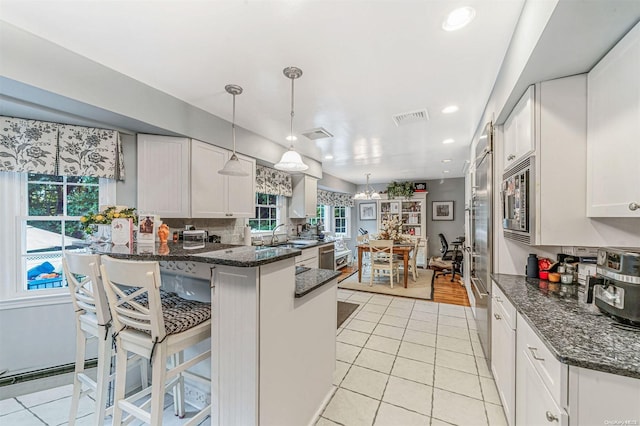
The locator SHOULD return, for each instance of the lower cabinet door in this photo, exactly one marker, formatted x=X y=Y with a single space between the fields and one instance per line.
x=534 y=403
x=503 y=360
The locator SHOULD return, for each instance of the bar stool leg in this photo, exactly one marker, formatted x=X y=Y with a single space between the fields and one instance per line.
x=102 y=378
x=121 y=383
x=158 y=378
x=81 y=341
x=178 y=390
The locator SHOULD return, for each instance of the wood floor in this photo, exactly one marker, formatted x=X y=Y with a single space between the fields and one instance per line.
x=444 y=291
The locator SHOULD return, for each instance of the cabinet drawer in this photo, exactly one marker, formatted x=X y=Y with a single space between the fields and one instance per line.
x=552 y=372
x=503 y=307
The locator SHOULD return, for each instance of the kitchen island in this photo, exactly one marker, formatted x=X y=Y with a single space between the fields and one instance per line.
x=273 y=331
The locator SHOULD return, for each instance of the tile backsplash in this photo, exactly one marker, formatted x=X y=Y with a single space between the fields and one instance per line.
x=230 y=231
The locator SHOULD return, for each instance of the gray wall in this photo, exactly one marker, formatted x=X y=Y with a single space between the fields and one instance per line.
x=448 y=190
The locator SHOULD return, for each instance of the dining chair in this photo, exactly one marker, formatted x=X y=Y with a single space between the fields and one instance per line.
x=155 y=328
x=93 y=320
x=364 y=239
x=413 y=269
x=383 y=265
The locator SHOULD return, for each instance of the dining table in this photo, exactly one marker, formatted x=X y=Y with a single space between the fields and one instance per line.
x=403 y=249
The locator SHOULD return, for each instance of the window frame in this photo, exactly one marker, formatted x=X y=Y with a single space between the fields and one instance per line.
x=329 y=224
x=14 y=292
x=280 y=215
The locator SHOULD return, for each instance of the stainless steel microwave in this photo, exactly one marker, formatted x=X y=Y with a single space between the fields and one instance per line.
x=518 y=200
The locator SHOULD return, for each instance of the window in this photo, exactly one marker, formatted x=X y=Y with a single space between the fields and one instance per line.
x=334 y=219
x=267 y=213
x=52 y=225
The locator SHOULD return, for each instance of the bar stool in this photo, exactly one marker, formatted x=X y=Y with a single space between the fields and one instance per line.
x=154 y=328
x=93 y=320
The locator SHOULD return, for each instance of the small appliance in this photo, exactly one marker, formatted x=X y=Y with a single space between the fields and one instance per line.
x=616 y=286
x=518 y=202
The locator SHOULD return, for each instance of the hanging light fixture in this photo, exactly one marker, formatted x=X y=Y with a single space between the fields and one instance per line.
x=368 y=193
x=233 y=167
x=291 y=161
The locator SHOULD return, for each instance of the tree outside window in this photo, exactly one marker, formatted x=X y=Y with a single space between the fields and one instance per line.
x=267 y=215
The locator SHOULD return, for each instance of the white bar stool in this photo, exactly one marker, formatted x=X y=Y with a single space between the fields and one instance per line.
x=154 y=328
x=93 y=320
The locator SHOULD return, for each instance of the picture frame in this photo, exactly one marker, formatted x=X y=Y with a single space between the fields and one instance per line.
x=442 y=210
x=147 y=227
x=394 y=208
x=368 y=211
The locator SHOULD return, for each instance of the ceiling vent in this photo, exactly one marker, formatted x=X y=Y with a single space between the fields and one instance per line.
x=411 y=117
x=318 y=133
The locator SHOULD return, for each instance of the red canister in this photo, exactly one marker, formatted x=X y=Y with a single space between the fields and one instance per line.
x=544 y=275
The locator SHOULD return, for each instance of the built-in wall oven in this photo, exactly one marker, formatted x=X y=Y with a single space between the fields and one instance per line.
x=518 y=200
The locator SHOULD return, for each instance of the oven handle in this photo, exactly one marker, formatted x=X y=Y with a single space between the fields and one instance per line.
x=478 y=287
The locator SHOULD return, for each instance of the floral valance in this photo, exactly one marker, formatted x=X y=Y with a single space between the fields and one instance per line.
x=33 y=146
x=273 y=182
x=329 y=198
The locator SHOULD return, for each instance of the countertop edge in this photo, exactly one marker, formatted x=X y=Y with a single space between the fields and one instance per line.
x=326 y=277
x=563 y=358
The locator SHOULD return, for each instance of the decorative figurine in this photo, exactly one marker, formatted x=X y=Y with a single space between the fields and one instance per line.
x=163 y=233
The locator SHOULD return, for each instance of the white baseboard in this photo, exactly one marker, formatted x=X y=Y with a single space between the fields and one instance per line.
x=325 y=401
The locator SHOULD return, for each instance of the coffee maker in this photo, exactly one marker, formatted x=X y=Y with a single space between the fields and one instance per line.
x=615 y=289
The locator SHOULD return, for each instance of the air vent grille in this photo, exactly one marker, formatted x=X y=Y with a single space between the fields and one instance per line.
x=411 y=117
x=318 y=133
x=514 y=236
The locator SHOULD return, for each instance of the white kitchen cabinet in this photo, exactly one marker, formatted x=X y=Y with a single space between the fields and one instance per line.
x=308 y=258
x=304 y=200
x=178 y=177
x=163 y=176
x=519 y=130
x=596 y=398
x=613 y=149
x=218 y=196
x=503 y=351
x=541 y=380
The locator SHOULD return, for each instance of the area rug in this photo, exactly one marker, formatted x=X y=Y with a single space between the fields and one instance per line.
x=344 y=310
x=420 y=289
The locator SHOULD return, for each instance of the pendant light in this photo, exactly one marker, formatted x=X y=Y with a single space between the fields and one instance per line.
x=368 y=193
x=291 y=161
x=233 y=167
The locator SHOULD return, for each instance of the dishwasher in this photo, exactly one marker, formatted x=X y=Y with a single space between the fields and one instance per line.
x=327 y=260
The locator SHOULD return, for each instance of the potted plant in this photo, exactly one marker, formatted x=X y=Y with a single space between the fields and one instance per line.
x=400 y=189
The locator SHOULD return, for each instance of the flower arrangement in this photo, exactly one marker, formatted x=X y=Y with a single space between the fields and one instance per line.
x=105 y=217
x=391 y=229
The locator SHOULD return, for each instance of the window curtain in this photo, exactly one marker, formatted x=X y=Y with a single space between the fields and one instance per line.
x=339 y=199
x=273 y=182
x=32 y=146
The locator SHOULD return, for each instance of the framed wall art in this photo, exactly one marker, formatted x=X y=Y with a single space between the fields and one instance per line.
x=442 y=210
x=368 y=211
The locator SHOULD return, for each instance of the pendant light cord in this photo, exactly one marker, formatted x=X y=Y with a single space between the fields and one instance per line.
x=233 y=124
x=291 y=128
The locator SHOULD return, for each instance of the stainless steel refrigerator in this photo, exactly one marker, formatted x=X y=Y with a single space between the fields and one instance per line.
x=482 y=237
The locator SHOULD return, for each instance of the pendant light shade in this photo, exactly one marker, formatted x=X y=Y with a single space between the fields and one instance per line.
x=233 y=167
x=291 y=161
x=368 y=193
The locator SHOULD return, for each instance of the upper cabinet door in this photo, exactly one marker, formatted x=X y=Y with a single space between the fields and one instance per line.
x=163 y=175
x=613 y=132
x=242 y=189
x=519 y=140
x=209 y=188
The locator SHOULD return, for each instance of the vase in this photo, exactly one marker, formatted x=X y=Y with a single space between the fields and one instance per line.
x=102 y=234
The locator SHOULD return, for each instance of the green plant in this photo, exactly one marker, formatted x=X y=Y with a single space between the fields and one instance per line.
x=400 y=189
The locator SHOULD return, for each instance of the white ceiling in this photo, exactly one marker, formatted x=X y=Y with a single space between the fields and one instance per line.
x=362 y=63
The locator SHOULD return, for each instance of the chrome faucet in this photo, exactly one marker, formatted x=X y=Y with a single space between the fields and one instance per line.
x=274 y=239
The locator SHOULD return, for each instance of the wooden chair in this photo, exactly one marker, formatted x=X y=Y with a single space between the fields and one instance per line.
x=387 y=265
x=413 y=268
x=154 y=328
x=93 y=320
x=364 y=239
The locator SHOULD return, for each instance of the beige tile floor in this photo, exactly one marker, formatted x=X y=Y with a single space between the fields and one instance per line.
x=400 y=362
x=406 y=362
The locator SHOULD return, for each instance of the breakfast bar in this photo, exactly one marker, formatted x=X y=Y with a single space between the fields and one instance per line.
x=273 y=327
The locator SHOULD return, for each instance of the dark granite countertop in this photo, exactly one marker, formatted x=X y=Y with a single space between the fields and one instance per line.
x=216 y=253
x=576 y=333
x=312 y=279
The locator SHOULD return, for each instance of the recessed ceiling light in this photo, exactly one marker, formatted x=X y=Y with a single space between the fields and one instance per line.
x=458 y=18
x=446 y=160
x=445 y=171
x=328 y=157
x=446 y=141
x=291 y=138
x=450 y=109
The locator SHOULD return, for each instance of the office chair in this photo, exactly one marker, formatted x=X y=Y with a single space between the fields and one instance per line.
x=450 y=257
